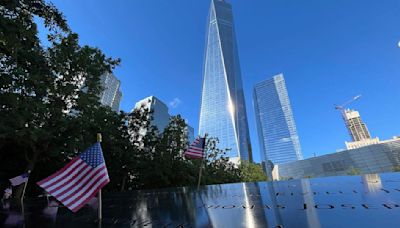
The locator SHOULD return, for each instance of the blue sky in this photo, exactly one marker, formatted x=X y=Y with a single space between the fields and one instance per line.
x=328 y=51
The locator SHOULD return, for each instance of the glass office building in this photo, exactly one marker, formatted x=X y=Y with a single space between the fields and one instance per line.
x=160 y=116
x=111 y=95
x=223 y=111
x=376 y=158
x=277 y=132
x=158 y=111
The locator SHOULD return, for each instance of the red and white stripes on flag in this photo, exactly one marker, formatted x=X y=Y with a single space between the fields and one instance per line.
x=80 y=180
x=196 y=149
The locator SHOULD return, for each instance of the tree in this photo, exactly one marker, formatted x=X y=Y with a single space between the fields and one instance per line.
x=159 y=157
x=48 y=96
x=217 y=168
x=353 y=171
x=396 y=168
x=29 y=104
x=250 y=172
x=50 y=112
x=25 y=92
x=165 y=166
x=144 y=138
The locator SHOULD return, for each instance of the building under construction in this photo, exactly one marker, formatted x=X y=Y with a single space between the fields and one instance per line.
x=357 y=129
x=363 y=155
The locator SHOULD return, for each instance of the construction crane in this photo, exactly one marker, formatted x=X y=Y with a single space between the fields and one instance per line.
x=342 y=109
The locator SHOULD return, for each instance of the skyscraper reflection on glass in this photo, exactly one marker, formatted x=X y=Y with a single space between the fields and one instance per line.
x=277 y=132
x=223 y=111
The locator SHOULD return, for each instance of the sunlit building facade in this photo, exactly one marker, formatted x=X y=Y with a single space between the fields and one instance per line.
x=357 y=128
x=278 y=138
x=160 y=116
x=111 y=95
x=375 y=158
x=223 y=111
x=158 y=111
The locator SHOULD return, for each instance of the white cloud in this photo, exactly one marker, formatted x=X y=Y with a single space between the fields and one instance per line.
x=175 y=102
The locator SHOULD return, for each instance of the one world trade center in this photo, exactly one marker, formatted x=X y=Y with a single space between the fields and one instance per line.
x=223 y=110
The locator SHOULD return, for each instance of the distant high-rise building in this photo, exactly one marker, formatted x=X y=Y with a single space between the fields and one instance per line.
x=357 y=129
x=158 y=109
x=111 y=94
x=160 y=115
x=190 y=132
x=223 y=110
x=277 y=132
x=117 y=101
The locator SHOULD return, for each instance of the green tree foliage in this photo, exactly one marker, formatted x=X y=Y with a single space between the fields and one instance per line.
x=164 y=165
x=30 y=104
x=353 y=171
x=396 y=168
x=217 y=168
x=50 y=111
x=250 y=172
x=49 y=106
x=143 y=138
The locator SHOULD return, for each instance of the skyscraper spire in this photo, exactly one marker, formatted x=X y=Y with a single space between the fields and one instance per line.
x=223 y=110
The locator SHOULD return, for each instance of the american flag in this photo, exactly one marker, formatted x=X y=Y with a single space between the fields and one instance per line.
x=19 y=179
x=196 y=149
x=80 y=180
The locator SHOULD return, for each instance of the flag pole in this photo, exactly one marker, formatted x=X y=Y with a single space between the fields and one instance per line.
x=22 y=197
x=202 y=163
x=26 y=183
x=100 y=210
x=201 y=168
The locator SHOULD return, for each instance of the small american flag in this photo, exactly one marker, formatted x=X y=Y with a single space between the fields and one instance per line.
x=196 y=149
x=80 y=180
x=19 y=179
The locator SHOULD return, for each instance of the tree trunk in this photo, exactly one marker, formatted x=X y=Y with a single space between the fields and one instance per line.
x=31 y=165
x=123 y=183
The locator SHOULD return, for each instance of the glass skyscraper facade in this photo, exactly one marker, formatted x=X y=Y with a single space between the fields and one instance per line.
x=160 y=115
x=111 y=95
x=158 y=109
x=223 y=110
x=377 y=158
x=276 y=128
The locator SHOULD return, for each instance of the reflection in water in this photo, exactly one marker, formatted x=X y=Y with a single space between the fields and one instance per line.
x=13 y=219
x=273 y=198
x=252 y=190
x=308 y=199
x=51 y=211
x=321 y=202
x=170 y=208
x=237 y=205
x=293 y=199
x=372 y=182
